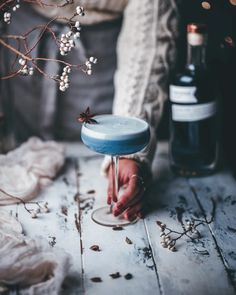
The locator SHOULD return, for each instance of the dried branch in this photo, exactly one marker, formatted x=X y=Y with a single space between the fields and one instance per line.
x=169 y=237
x=32 y=212
x=65 y=43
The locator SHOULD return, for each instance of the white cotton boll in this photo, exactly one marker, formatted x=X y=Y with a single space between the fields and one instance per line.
x=77 y=24
x=62 y=88
x=69 y=70
x=62 y=52
x=68 y=34
x=62 y=84
x=79 y=10
x=89 y=72
x=92 y=59
x=17 y=6
x=14 y=8
x=67 y=85
x=76 y=35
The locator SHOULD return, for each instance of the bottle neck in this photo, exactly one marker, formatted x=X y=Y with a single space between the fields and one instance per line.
x=196 y=56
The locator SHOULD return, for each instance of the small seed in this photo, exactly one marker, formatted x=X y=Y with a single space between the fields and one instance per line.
x=115 y=275
x=96 y=280
x=128 y=276
x=95 y=248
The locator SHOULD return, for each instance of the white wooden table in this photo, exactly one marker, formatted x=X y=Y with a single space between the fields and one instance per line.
x=207 y=266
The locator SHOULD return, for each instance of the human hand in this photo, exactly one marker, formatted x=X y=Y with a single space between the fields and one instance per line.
x=131 y=178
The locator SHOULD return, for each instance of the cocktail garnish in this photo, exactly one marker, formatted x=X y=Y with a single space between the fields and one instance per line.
x=87 y=117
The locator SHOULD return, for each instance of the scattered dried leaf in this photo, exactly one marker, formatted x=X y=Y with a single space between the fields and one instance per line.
x=95 y=248
x=128 y=276
x=117 y=228
x=128 y=241
x=92 y=191
x=96 y=280
x=115 y=275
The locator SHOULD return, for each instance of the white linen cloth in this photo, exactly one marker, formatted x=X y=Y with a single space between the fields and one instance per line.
x=31 y=264
x=25 y=170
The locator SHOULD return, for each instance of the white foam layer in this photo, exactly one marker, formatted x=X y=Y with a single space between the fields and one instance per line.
x=112 y=127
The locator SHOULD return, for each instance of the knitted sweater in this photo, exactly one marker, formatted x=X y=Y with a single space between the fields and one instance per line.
x=146 y=53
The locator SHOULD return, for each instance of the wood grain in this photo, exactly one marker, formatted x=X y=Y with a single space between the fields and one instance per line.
x=204 y=267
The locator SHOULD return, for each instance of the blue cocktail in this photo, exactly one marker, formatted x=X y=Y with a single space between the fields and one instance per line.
x=115 y=136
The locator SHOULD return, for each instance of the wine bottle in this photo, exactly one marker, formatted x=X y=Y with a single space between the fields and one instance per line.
x=194 y=140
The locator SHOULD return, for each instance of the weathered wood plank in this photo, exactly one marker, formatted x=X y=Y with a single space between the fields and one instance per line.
x=196 y=267
x=115 y=255
x=221 y=187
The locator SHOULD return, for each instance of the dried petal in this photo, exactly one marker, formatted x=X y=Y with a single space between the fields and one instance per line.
x=115 y=275
x=95 y=248
x=117 y=228
x=96 y=280
x=128 y=241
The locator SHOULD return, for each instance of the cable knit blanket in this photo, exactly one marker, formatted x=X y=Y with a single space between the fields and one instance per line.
x=24 y=171
x=30 y=264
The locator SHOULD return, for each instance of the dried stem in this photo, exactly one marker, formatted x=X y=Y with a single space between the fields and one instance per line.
x=19 y=200
x=23 y=51
x=168 y=241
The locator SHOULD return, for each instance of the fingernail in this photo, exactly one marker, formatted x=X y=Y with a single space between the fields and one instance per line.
x=116 y=212
x=119 y=206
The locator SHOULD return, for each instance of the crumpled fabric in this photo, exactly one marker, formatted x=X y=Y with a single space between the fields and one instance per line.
x=31 y=264
x=25 y=170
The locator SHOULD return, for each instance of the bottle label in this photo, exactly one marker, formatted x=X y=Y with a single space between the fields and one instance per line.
x=182 y=94
x=191 y=113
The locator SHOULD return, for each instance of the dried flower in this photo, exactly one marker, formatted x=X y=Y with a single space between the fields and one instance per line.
x=189 y=230
x=86 y=117
x=80 y=10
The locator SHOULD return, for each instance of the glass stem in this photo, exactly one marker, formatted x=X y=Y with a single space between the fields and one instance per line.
x=115 y=179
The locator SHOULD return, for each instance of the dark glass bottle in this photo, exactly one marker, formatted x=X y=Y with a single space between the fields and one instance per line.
x=194 y=143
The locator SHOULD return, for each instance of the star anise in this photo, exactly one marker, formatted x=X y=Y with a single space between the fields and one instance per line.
x=87 y=117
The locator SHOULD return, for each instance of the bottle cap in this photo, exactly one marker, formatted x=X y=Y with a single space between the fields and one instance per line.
x=196 y=34
x=197 y=28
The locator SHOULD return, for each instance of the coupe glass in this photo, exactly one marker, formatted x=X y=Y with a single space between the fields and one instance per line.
x=114 y=136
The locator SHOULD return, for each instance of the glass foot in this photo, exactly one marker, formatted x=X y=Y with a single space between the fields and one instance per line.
x=103 y=216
